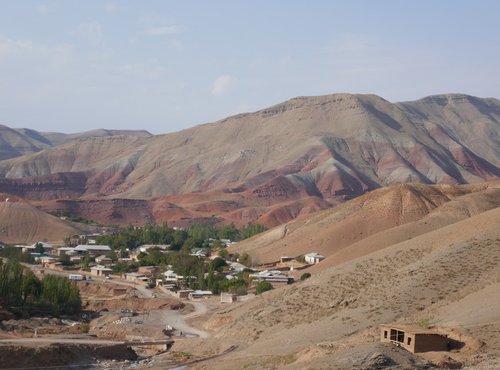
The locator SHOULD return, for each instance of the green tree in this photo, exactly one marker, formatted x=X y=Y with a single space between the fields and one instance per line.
x=229 y=232
x=86 y=263
x=61 y=295
x=65 y=260
x=111 y=255
x=31 y=288
x=262 y=287
x=218 y=264
x=39 y=248
x=16 y=254
x=223 y=253
x=251 y=230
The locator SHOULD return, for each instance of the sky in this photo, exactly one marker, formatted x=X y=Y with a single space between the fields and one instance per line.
x=76 y=65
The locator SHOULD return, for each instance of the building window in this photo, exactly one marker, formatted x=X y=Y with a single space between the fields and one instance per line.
x=409 y=341
x=385 y=334
x=397 y=335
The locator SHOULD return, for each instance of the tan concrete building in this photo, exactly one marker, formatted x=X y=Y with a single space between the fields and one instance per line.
x=135 y=277
x=227 y=298
x=100 y=271
x=413 y=338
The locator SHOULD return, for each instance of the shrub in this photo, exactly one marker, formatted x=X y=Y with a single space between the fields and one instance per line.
x=263 y=286
x=305 y=276
x=217 y=264
x=85 y=327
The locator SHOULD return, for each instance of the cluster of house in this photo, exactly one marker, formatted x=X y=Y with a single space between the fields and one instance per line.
x=50 y=254
x=169 y=280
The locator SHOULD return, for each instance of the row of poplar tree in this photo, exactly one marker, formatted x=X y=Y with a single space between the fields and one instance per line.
x=21 y=290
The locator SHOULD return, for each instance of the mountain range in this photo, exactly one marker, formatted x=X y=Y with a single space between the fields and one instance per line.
x=270 y=166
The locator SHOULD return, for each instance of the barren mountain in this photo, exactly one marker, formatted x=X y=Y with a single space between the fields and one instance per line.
x=331 y=148
x=17 y=142
x=14 y=144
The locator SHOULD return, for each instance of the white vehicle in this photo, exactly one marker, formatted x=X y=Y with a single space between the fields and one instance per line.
x=75 y=277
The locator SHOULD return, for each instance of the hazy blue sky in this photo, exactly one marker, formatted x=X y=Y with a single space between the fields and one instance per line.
x=166 y=65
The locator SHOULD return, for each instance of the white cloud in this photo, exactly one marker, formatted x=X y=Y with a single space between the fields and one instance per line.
x=92 y=33
x=222 y=84
x=27 y=50
x=42 y=9
x=164 y=30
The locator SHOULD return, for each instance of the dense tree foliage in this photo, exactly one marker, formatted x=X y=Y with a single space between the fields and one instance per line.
x=196 y=236
x=16 y=254
x=20 y=289
x=60 y=294
x=198 y=273
x=123 y=267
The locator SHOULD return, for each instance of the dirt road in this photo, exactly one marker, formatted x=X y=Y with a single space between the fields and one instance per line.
x=178 y=321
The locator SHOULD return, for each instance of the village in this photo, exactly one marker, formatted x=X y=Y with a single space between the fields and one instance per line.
x=153 y=296
x=91 y=260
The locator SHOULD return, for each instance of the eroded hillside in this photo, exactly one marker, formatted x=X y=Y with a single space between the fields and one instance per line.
x=446 y=277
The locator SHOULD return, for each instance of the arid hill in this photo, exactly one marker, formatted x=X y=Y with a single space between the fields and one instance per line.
x=438 y=265
x=22 y=223
x=373 y=221
x=330 y=148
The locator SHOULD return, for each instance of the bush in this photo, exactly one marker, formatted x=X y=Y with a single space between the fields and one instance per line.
x=305 y=276
x=85 y=327
x=263 y=286
x=217 y=264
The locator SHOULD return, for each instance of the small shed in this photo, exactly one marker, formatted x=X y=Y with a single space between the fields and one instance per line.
x=413 y=338
x=184 y=293
x=227 y=298
x=313 y=258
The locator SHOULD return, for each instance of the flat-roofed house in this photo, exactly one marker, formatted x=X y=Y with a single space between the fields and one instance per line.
x=100 y=270
x=92 y=250
x=273 y=276
x=68 y=251
x=414 y=338
x=313 y=258
x=135 y=277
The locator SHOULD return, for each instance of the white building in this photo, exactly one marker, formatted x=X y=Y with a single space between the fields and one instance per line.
x=313 y=258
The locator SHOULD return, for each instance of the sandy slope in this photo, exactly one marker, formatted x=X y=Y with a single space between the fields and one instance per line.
x=378 y=219
x=22 y=223
x=331 y=320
